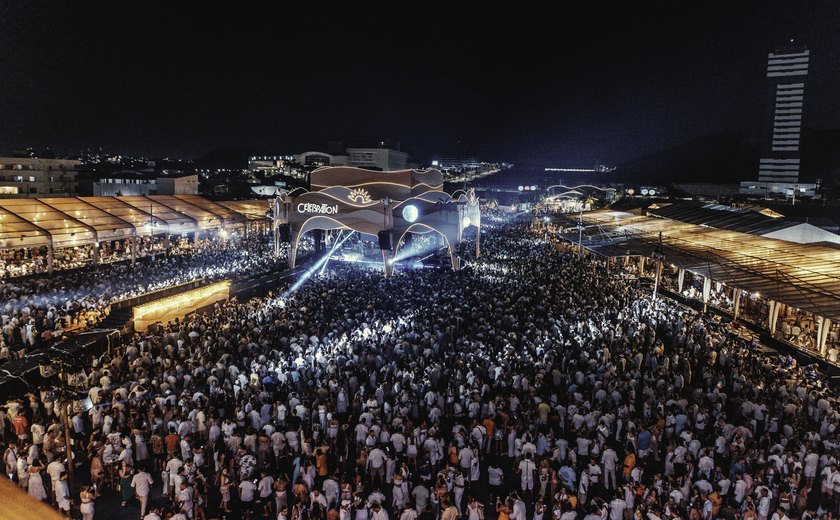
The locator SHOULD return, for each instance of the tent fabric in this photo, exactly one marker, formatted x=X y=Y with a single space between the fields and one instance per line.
x=174 y=222
x=75 y=221
x=805 y=276
x=64 y=230
x=229 y=216
x=108 y=227
x=203 y=219
x=251 y=209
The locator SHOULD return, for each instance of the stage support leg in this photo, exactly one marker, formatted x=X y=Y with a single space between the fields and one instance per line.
x=656 y=279
x=387 y=263
x=822 y=336
x=773 y=316
x=50 y=258
x=277 y=240
x=456 y=262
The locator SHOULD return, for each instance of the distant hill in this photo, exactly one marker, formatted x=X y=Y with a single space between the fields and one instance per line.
x=720 y=158
x=731 y=157
x=821 y=155
x=228 y=158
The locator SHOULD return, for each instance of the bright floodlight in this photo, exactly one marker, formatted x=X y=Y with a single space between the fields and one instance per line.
x=410 y=213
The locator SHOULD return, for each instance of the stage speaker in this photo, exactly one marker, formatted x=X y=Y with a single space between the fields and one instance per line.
x=385 y=240
x=285 y=233
x=318 y=237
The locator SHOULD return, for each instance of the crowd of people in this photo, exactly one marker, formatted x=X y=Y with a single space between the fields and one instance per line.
x=533 y=384
x=36 y=309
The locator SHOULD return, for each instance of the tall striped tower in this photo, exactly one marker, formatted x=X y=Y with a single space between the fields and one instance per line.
x=786 y=74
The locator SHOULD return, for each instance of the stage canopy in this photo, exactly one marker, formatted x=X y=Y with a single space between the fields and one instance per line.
x=386 y=205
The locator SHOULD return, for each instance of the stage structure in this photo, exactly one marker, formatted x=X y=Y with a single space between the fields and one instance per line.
x=385 y=205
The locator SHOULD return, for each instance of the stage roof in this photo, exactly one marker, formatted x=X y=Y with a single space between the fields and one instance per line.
x=75 y=221
x=805 y=276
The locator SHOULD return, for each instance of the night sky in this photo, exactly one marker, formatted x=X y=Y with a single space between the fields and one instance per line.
x=568 y=86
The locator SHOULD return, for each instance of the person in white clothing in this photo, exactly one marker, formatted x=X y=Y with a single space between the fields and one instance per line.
x=526 y=471
x=609 y=458
x=617 y=507
x=142 y=484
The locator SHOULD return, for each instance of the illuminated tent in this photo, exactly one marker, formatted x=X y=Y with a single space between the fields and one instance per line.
x=66 y=222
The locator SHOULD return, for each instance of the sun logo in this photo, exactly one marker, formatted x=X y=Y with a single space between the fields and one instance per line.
x=359 y=196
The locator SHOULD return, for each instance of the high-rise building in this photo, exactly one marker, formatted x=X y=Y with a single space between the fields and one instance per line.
x=778 y=168
x=786 y=74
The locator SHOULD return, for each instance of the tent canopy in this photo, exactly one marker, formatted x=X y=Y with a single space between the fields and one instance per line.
x=74 y=221
x=63 y=229
x=805 y=276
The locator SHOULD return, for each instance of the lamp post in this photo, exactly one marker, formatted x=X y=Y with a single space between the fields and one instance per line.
x=66 y=404
x=580 y=233
x=659 y=256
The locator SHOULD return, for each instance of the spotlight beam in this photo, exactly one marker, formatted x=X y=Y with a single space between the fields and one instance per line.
x=337 y=244
x=312 y=270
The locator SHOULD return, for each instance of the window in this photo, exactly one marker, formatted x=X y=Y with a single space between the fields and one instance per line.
x=17 y=178
x=31 y=178
x=8 y=190
x=33 y=190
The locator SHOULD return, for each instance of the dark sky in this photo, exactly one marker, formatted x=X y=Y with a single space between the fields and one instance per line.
x=572 y=85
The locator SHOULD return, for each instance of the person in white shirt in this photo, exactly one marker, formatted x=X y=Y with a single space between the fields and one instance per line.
x=526 y=470
x=185 y=498
x=265 y=487
x=609 y=459
x=54 y=470
x=172 y=467
x=376 y=465
x=246 y=497
x=518 y=512
x=142 y=484
x=315 y=497
x=763 y=509
x=154 y=514
x=617 y=507
x=62 y=494
x=377 y=512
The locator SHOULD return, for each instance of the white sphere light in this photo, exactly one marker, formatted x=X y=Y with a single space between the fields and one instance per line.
x=410 y=213
x=644 y=191
x=521 y=188
x=466 y=222
x=651 y=192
